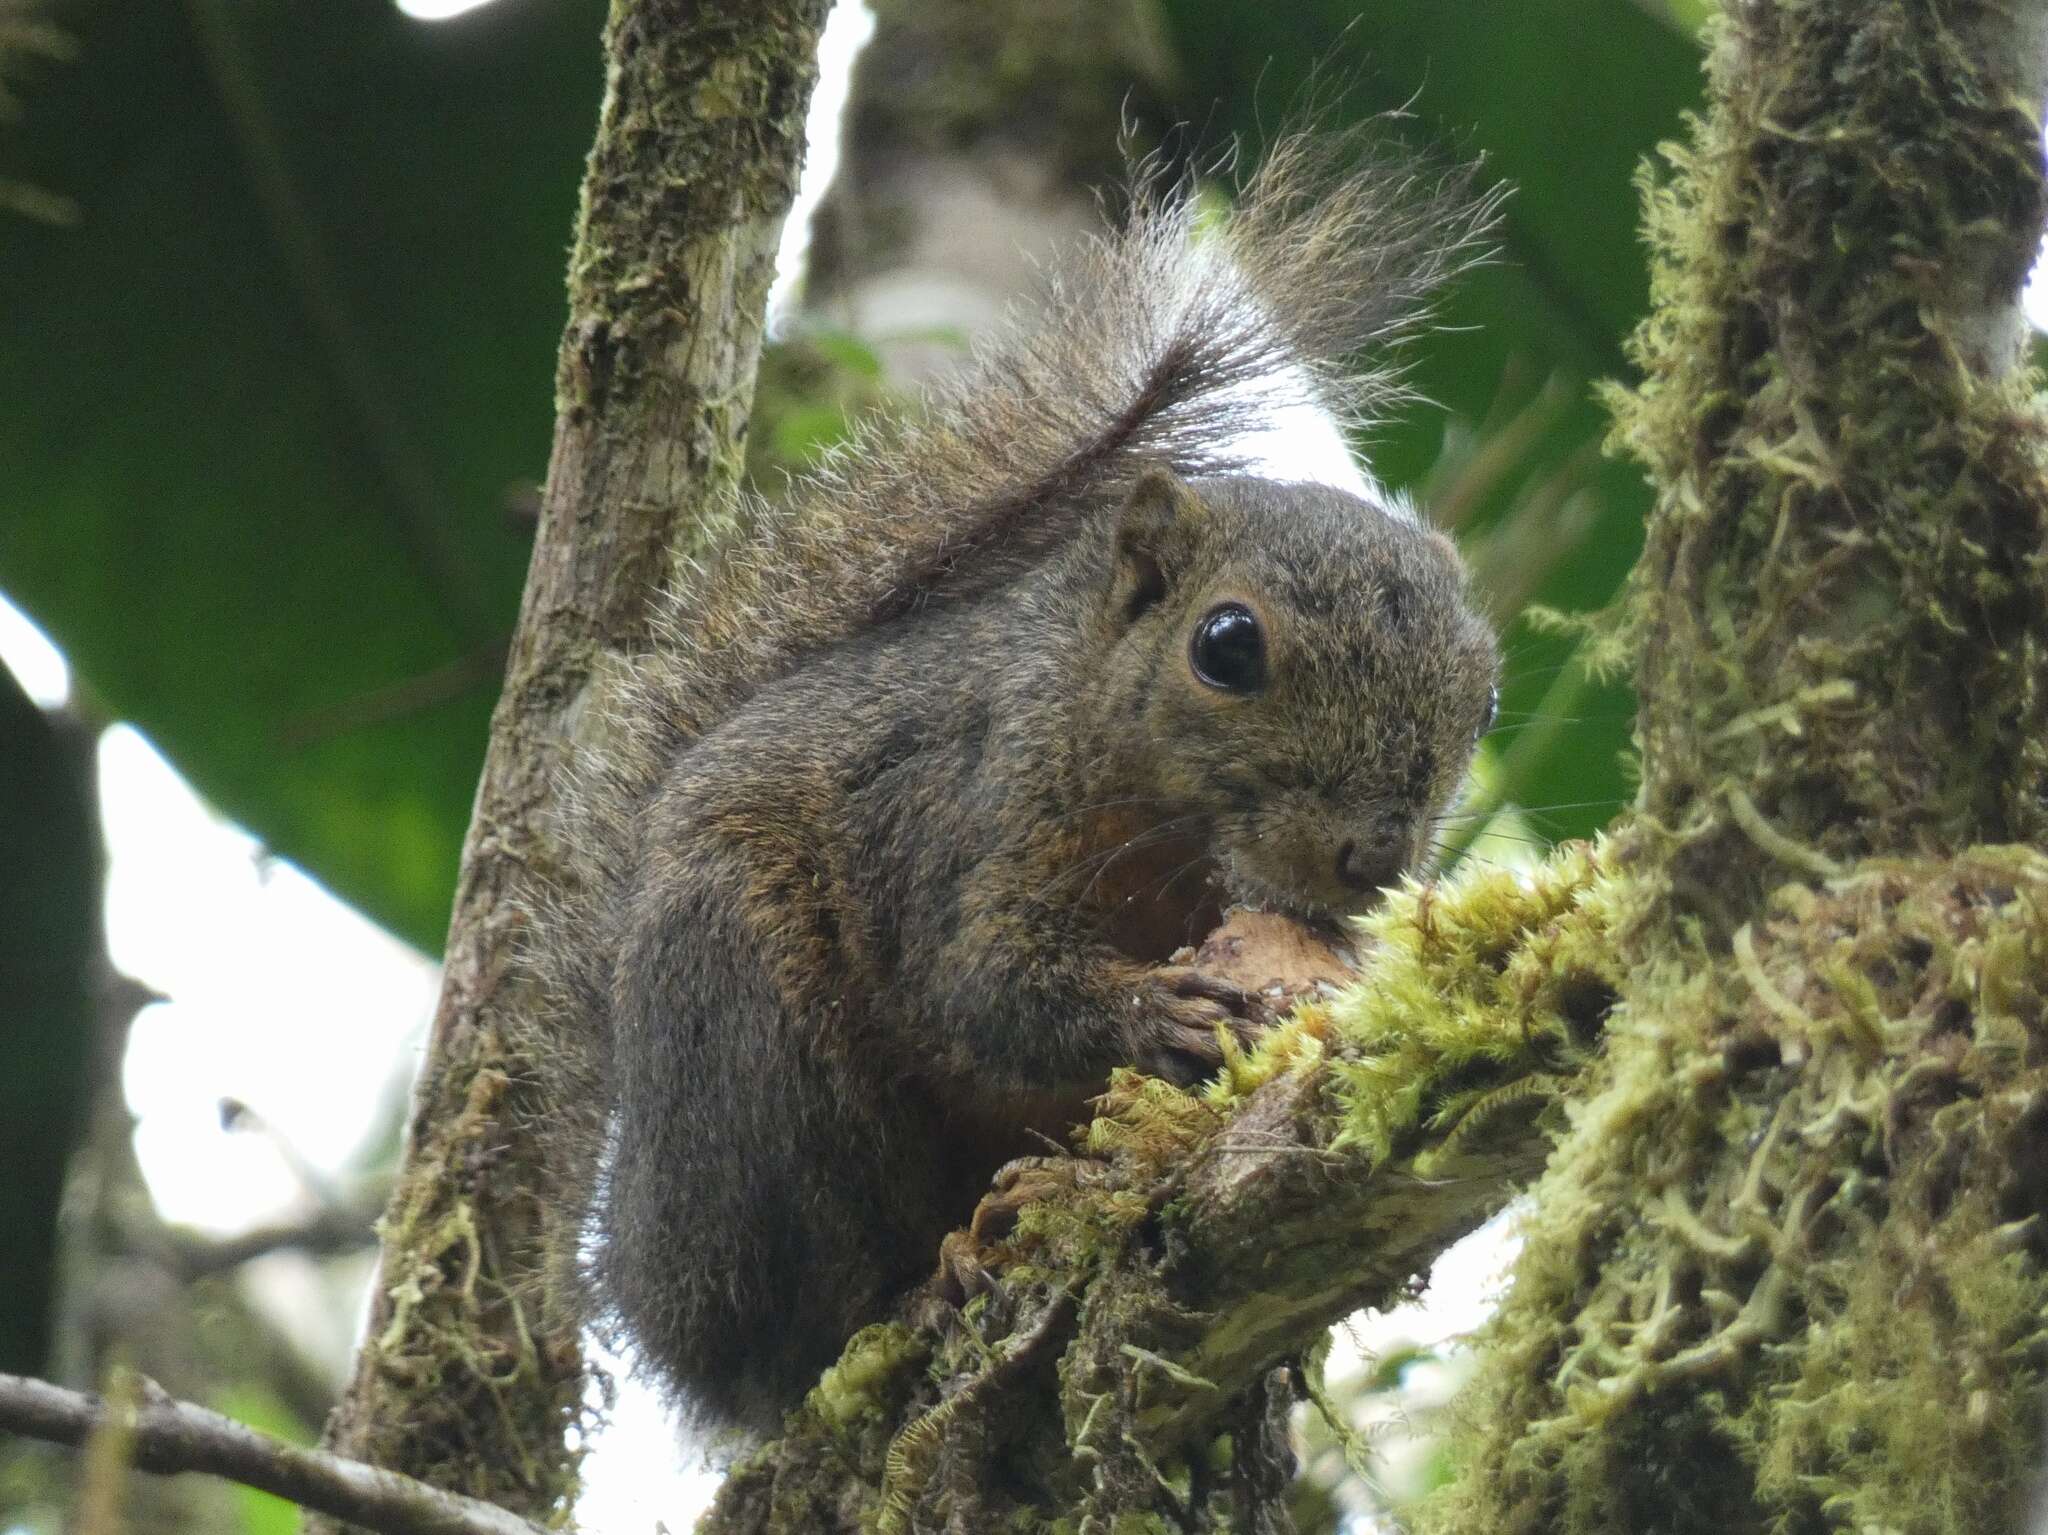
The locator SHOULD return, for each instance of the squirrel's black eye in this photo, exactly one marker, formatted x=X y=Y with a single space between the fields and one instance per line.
x=1228 y=651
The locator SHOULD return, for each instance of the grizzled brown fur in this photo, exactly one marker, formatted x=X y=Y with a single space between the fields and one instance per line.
x=906 y=815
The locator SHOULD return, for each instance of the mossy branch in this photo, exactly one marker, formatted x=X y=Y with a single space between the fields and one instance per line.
x=1144 y=1319
x=467 y=1380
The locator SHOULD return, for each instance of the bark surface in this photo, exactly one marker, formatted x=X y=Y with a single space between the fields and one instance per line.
x=467 y=1379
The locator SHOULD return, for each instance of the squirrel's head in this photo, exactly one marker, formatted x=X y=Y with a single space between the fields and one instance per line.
x=1298 y=672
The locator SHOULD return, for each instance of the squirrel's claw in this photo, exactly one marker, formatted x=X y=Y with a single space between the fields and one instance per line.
x=1178 y=1039
x=962 y=1273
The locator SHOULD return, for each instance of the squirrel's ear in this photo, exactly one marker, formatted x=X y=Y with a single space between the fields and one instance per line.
x=1154 y=533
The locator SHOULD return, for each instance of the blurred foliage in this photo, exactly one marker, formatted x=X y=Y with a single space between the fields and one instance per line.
x=275 y=402
x=814 y=382
x=263 y=1513
x=26 y=40
x=1373 y=1435
x=264 y=398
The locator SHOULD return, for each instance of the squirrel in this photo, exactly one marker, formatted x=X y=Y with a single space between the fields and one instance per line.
x=934 y=768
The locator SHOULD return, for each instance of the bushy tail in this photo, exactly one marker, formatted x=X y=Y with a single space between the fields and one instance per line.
x=1164 y=343
x=1169 y=342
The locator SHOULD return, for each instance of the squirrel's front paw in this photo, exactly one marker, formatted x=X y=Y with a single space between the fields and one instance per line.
x=1179 y=1012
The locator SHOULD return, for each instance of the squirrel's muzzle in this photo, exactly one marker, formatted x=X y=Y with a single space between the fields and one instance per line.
x=1371 y=864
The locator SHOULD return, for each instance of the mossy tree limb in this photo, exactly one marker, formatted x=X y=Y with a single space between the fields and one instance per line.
x=1132 y=1365
x=466 y=1380
x=1788 y=1272
x=1838 y=612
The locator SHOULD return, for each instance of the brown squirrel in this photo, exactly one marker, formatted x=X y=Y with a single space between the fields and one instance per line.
x=949 y=751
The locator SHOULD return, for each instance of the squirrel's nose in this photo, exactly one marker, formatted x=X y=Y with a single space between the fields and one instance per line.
x=1368 y=866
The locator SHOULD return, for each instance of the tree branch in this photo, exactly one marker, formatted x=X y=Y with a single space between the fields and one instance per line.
x=167 y=1436
x=1131 y=1321
x=328 y=1232
x=468 y=1377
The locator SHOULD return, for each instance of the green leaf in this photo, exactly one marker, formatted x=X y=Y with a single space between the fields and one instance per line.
x=262 y=405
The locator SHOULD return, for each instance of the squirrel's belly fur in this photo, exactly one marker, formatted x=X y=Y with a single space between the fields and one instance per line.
x=934 y=767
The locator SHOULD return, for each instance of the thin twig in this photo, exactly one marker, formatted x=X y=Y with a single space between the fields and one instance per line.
x=331 y=1231
x=168 y=1436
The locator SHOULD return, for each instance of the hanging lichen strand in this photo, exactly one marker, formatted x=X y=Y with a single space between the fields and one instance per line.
x=1787 y=1271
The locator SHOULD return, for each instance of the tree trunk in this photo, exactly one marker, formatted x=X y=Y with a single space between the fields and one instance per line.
x=467 y=1379
x=1787 y=1272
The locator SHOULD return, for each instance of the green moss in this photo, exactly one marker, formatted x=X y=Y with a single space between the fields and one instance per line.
x=1787 y=1270
x=1791 y=1252
x=467 y=1350
x=1470 y=983
x=1838 y=611
x=871 y=1378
